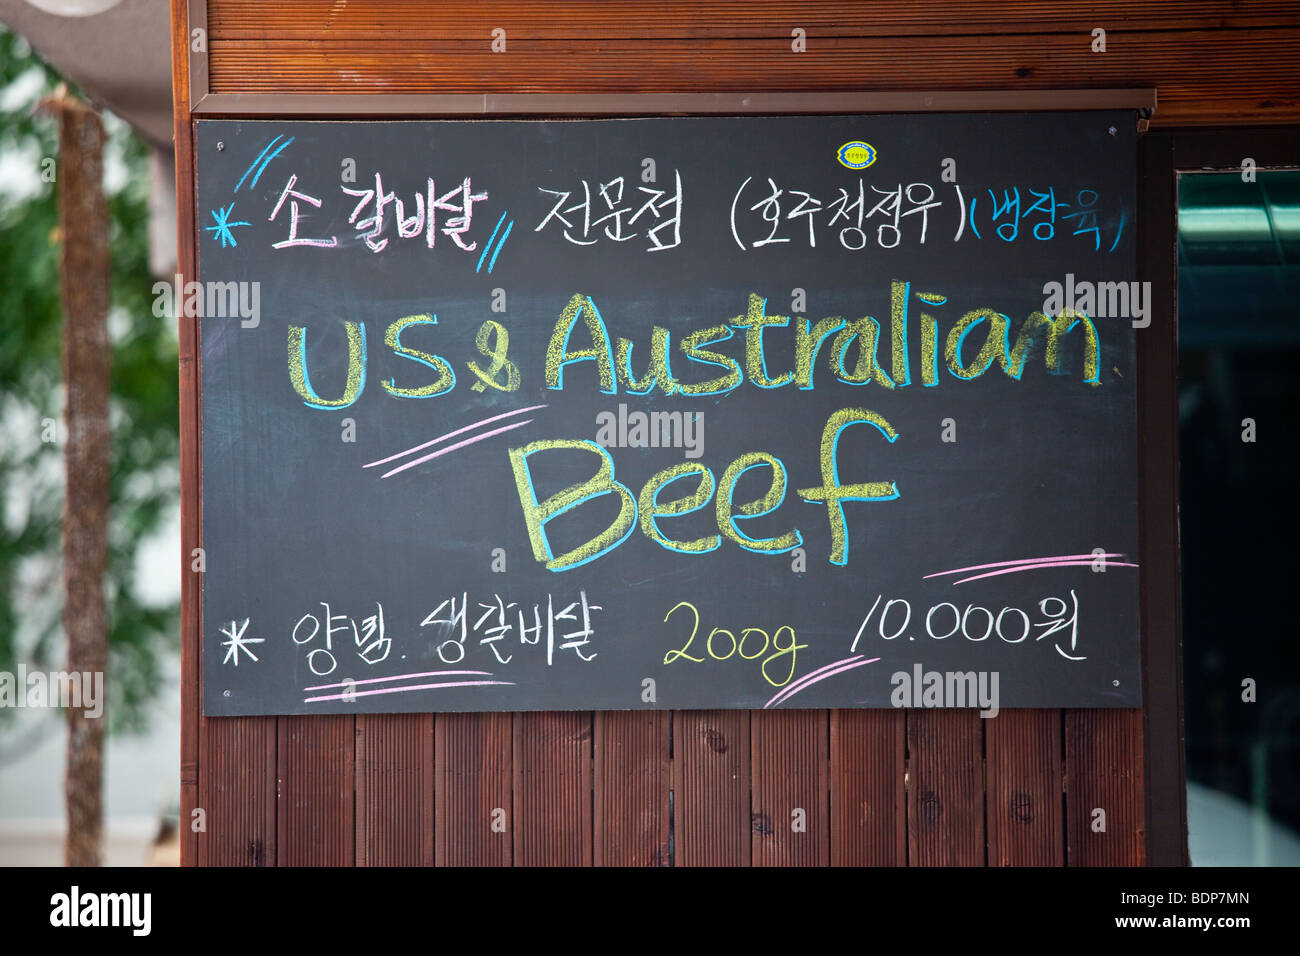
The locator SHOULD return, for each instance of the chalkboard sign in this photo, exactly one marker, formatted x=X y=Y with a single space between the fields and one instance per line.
x=741 y=412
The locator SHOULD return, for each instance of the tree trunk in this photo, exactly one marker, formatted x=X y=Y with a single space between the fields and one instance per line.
x=84 y=281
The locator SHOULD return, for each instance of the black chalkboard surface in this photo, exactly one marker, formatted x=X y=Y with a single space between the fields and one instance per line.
x=817 y=411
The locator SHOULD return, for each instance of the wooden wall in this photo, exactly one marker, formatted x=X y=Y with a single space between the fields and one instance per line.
x=1213 y=61
x=690 y=788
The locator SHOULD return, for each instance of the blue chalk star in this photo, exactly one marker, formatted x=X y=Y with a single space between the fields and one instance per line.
x=224 y=225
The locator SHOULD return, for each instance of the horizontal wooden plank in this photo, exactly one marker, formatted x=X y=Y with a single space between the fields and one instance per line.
x=1188 y=68
x=594 y=20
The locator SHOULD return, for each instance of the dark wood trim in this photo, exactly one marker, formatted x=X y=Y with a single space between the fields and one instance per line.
x=1197 y=149
x=197 y=66
x=191 y=676
x=203 y=102
x=1157 y=390
x=1162 y=156
x=659 y=104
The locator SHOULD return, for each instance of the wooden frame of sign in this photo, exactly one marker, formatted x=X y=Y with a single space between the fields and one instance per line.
x=1127 y=761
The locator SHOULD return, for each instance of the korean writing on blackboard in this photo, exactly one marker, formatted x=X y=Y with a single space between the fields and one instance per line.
x=765 y=212
x=615 y=207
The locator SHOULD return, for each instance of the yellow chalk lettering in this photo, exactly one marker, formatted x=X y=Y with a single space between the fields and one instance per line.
x=807 y=343
x=446 y=377
x=660 y=371
x=831 y=491
x=866 y=332
x=898 y=295
x=995 y=345
x=929 y=352
x=356 y=379
x=558 y=353
x=493 y=341
x=537 y=514
x=929 y=339
x=754 y=321
x=1056 y=329
x=728 y=513
x=692 y=347
x=651 y=508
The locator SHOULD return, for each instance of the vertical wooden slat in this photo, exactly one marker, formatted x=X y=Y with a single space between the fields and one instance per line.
x=1104 y=771
x=711 y=807
x=394 y=790
x=868 y=797
x=473 y=757
x=945 y=808
x=192 y=796
x=630 y=788
x=552 y=788
x=236 y=792
x=1023 y=752
x=790 y=816
x=314 y=810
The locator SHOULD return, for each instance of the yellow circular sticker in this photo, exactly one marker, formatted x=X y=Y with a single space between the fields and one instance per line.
x=857 y=154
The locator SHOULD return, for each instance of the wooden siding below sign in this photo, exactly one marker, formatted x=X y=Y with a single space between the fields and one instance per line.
x=720 y=788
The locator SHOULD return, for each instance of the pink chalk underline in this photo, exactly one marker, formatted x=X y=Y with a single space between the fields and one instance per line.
x=451 y=434
x=819 y=670
x=381 y=680
x=821 y=674
x=791 y=689
x=1035 y=567
x=402 y=690
x=450 y=448
x=458 y=431
x=1003 y=564
x=1033 y=564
